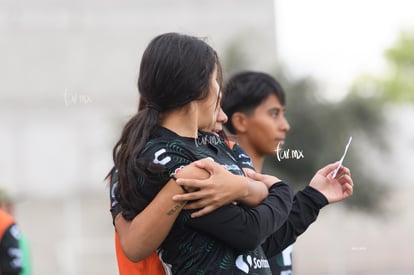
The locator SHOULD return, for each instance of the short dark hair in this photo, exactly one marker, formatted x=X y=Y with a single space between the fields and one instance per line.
x=246 y=90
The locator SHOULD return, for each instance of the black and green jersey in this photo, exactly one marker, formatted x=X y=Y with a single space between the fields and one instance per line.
x=226 y=241
x=243 y=160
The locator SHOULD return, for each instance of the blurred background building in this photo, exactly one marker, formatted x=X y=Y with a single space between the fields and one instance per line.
x=68 y=72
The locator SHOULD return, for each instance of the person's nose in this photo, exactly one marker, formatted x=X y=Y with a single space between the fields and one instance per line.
x=222 y=116
x=285 y=125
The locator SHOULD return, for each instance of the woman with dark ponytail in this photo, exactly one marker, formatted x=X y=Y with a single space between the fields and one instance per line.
x=180 y=79
x=175 y=70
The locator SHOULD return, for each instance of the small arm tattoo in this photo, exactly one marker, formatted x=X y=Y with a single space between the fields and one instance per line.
x=176 y=208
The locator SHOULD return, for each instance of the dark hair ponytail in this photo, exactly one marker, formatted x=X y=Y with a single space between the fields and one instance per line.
x=175 y=70
x=125 y=154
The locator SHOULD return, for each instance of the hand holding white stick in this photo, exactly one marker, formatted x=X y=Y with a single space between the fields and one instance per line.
x=342 y=158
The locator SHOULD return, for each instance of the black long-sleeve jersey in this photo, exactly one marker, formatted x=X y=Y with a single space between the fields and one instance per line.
x=228 y=231
x=226 y=241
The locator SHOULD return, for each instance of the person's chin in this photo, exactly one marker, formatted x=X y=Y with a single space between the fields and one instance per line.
x=280 y=142
x=271 y=152
x=276 y=145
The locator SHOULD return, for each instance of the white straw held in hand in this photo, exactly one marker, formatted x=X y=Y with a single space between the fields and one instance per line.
x=342 y=158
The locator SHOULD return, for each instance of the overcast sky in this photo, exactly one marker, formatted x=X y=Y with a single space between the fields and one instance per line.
x=336 y=41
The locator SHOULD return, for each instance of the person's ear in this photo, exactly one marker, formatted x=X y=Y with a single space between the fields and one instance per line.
x=239 y=121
